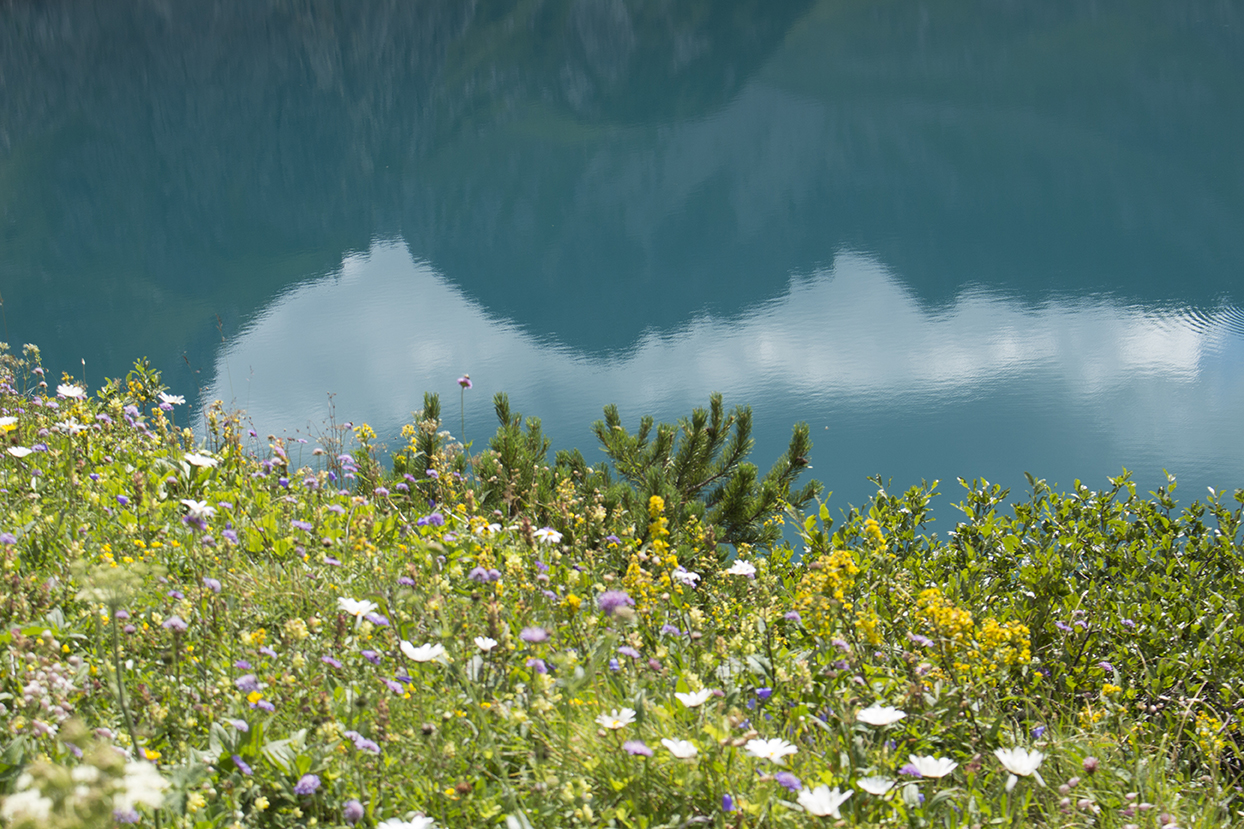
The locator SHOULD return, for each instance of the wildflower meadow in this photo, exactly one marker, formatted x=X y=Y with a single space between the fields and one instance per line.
x=228 y=629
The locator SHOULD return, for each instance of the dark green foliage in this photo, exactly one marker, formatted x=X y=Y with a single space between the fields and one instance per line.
x=514 y=476
x=698 y=466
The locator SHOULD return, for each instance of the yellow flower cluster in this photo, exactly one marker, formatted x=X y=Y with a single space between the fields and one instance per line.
x=982 y=650
x=1211 y=735
x=822 y=591
x=872 y=532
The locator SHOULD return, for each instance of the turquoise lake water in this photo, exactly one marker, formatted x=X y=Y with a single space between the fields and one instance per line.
x=958 y=239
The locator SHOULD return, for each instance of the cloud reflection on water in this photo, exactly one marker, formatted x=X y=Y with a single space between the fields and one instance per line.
x=848 y=346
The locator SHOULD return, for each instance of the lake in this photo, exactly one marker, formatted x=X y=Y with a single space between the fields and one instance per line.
x=959 y=239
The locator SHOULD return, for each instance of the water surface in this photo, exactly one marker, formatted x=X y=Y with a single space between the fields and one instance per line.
x=959 y=239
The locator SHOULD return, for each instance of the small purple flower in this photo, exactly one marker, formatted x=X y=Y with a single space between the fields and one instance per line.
x=910 y=771
x=307 y=784
x=788 y=781
x=670 y=630
x=353 y=812
x=611 y=600
x=380 y=492
x=94 y=476
x=176 y=594
x=636 y=748
x=763 y=694
x=433 y=474
x=613 y=539
x=122 y=614
x=125 y=815
x=371 y=656
x=240 y=725
x=1063 y=626
x=1037 y=732
x=337 y=508
x=1081 y=624
x=283 y=482
x=841 y=644
x=538 y=666
x=614 y=665
x=212 y=584
x=123 y=501
x=434 y=519
x=247 y=683
x=1105 y=666
x=727 y=803
x=332 y=562
x=241 y=765
x=493 y=575
x=175 y=624
x=376 y=619
x=534 y=635
x=242 y=665
x=406 y=581
x=305 y=526
x=478 y=574
x=230 y=536
x=263 y=704
x=401 y=487
x=1129 y=623
x=8 y=538
x=395 y=687
x=465 y=381
x=916 y=638
x=267 y=651
x=792 y=616
x=627 y=650
x=328 y=660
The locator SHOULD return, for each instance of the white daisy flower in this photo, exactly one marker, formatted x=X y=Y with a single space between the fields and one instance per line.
x=617 y=719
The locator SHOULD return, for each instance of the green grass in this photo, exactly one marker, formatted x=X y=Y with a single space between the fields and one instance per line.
x=481 y=682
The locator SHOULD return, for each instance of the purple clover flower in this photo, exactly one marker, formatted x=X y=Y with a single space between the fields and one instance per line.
x=307 y=784
x=8 y=538
x=910 y=770
x=247 y=683
x=636 y=748
x=241 y=765
x=175 y=624
x=212 y=584
x=328 y=660
x=538 y=666
x=670 y=630
x=305 y=526
x=627 y=650
x=788 y=781
x=611 y=600
x=534 y=635
x=353 y=812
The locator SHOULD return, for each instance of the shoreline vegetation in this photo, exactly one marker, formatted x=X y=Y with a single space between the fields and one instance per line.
x=223 y=630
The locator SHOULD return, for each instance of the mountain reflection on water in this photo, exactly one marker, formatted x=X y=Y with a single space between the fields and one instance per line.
x=885 y=382
x=969 y=238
